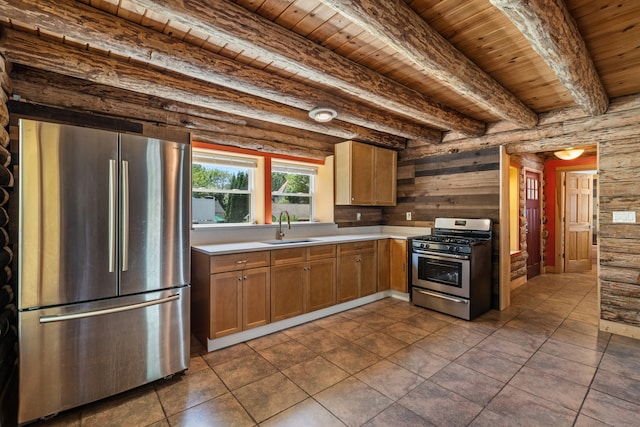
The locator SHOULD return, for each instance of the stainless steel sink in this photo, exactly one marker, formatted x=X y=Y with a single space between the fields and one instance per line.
x=290 y=241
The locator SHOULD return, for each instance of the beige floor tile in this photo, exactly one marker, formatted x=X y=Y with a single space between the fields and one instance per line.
x=618 y=386
x=562 y=368
x=268 y=341
x=315 y=375
x=526 y=409
x=489 y=364
x=350 y=330
x=227 y=354
x=624 y=366
x=287 y=354
x=597 y=343
x=440 y=406
x=302 y=330
x=398 y=416
x=185 y=391
x=489 y=418
x=139 y=407
x=610 y=410
x=307 y=413
x=443 y=347
x=473 y=385
x=550 y=387
x=351 y=357
x=376 y=321
x=584 y=421
x=390 y=379
x=321 y=341
x=244 y=370
x=381 y=344
x=405 y=332
x=458 y=333
x=223 y=411
x=419 y=361
x=353 y=401
x=425 y=322
x=197 y=363
x=527 y=339
x=572 y=352
x=269 y=396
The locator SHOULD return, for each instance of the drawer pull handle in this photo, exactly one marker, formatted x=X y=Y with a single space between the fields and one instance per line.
x=244 y=261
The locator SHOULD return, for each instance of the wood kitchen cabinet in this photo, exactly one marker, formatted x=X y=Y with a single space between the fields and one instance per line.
x=230 y=293
x=384 y=264
x=357 y=273
x=302 y=280
x=399 y=273
x=365 y=175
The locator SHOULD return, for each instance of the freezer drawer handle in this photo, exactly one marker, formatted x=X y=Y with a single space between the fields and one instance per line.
x=85 y=314
x=433 y=294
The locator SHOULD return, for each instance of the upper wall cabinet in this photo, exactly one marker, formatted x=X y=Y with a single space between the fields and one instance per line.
x=365 y=175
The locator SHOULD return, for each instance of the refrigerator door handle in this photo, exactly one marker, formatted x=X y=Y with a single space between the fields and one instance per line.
x=125 y=215
x=85 y=314
x=113 y=184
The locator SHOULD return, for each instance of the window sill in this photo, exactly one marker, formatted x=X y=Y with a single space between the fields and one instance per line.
x=209 y=227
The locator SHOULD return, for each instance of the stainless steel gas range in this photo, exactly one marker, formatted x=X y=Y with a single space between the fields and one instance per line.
x=451 y=269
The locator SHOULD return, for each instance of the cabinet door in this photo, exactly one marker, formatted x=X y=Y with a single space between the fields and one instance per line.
x=384 y=258
x=399 y=267
x=385 y=177
x=347 y=288
x=321 y=284
x=287 y=290
x=367 y=274
x=226 y=304
x=256 y=299
x=362 y=173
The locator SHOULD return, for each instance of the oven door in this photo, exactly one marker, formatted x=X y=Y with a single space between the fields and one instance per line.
x=441 y=272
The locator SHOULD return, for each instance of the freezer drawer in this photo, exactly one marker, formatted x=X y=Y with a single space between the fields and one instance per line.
x=80 y=353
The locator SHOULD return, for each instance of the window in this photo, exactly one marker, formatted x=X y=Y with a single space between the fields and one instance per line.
x=223 y=188
x=293 y=190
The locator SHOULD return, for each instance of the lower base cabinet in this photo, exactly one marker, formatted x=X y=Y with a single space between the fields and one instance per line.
x=357 y=272
x=300 y=287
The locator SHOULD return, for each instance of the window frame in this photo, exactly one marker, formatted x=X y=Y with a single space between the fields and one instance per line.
x=297 y=168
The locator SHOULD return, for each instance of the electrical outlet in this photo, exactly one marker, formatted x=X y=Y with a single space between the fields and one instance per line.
x=408 y=215
x=358 y=216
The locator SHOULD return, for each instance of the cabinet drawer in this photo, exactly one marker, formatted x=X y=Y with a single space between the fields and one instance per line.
x=288 y=256
x=357 y=247
x=321 y=252
x=232 y=262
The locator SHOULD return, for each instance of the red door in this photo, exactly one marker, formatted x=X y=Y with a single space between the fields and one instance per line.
x=532 y=213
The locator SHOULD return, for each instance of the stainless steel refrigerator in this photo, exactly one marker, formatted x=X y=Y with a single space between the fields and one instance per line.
x=103 y=264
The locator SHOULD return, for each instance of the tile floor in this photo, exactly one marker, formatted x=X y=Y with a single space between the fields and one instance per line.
x=541 y=362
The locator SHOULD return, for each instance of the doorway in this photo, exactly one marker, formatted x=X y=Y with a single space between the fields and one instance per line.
x=578 y=221
x=532 y=214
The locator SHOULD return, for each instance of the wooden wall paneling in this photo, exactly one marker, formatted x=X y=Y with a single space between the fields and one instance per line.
x=619 y=272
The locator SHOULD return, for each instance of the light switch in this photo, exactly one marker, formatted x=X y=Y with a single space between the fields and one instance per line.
x=408 y=216
x=624 y=216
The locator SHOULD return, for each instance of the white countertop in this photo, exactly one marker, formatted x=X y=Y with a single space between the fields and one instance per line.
x=229 y=248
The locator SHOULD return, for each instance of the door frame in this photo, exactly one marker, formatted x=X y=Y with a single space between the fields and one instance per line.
x=560 y=211
x=542 y=211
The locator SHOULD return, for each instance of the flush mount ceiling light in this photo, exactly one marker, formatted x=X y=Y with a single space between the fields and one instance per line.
x=323 y=114
x=569 y=153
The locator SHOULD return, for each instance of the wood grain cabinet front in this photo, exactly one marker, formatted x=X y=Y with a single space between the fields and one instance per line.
x=357 y=272
x=229 y=293
x=302 y=280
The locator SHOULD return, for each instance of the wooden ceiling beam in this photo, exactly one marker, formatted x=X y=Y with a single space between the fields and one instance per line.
x=55 y=90
x=395 y=23
x=82 y=23
x=554 y=35
x=31 y=50
x=246 y=30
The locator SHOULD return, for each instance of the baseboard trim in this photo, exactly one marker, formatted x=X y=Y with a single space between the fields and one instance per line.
x=620 y=329
x=517 y=282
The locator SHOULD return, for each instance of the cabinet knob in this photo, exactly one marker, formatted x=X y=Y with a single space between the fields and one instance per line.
x=244 y=278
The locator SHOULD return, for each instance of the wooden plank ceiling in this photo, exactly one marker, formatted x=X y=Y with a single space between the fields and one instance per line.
x=394 y=70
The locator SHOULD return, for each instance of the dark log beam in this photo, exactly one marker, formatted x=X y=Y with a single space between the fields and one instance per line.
x=394 y=22
x=244 y=29
x=65 y=92
x=26 y=49
x=110 y=33
x=554 y=35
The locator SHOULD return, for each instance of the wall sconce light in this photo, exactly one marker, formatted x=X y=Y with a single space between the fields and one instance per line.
x=323 y=114
x=569 y=153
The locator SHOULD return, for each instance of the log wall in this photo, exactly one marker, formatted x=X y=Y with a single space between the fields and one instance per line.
x=619 y=190
x=462 y=185
x=8 y=235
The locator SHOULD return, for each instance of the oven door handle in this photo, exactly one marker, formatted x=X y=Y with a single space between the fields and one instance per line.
x=448 y=298
x=437 y=255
